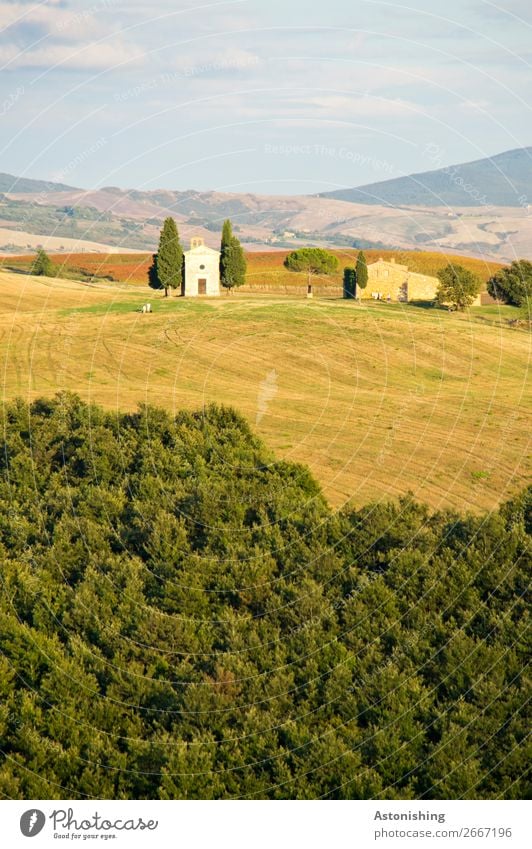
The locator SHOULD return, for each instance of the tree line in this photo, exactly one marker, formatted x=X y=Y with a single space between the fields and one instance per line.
x=183 y=616
x=458 y=286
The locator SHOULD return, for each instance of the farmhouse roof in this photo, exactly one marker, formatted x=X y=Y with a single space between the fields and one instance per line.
x=391 y=263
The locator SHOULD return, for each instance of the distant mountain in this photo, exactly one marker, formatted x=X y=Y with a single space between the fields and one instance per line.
x=486 y=213
x=22 y=185
x=502 y=180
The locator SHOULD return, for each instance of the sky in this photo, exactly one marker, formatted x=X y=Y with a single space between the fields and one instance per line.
x=266 y=96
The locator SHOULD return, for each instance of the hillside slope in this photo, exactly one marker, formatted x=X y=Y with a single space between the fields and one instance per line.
x=377 y=400
x=502 y=180
x=489 y=221
x=23 y=185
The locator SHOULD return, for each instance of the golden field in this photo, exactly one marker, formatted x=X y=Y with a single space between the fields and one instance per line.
x=377 y=399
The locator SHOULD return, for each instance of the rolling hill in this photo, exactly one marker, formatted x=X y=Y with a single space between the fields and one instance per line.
x=377 y=399
x=502 y=180
x=24 y=185
x=478 y=209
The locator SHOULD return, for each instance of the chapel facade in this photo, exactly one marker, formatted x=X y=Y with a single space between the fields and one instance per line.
x=201 y=270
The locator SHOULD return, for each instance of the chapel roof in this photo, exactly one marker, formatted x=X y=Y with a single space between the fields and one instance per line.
x=198 y=246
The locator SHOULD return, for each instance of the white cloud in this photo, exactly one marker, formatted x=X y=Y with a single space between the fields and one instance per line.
x=341 y=105
x=299 y=68
x=307 y=107
x=45 y=15
x=215 y=62
x=51 y=34
x=94 y=57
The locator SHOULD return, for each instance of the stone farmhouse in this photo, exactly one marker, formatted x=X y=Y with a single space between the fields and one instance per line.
x=202 y=270
x=390 y=278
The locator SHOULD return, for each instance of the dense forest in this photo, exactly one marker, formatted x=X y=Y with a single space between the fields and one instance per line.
x=183 y=616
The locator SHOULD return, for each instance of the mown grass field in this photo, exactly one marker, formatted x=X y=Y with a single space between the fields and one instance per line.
x=264 y=267
x=377 y=399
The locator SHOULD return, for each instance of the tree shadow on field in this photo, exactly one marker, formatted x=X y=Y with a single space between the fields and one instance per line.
x=14 y=270
x=426 y=305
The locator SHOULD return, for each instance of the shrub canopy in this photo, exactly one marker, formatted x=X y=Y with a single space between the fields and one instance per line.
x=183 y=616
x=513 y=284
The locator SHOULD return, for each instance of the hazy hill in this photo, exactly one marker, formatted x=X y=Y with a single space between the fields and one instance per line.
x=478 y=209
x=21 y=185
x=502 y=180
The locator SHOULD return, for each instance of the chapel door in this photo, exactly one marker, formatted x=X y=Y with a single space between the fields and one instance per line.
x=202 y=286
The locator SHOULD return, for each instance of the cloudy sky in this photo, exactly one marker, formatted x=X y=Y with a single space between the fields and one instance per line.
x=272 y=96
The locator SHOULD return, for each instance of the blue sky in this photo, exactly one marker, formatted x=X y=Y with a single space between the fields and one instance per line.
x=270 y=96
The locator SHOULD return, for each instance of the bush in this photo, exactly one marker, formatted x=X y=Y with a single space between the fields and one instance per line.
x=311 y=261
x=42 y=265
x=184 y=617
x=458 y=287
x=512 y=284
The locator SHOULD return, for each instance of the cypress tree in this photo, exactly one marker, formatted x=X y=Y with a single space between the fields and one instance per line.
x=169 y=263
x=350 y=283
x=227 y=234
x=233 y=265
x=361 y=271
x=153 y=277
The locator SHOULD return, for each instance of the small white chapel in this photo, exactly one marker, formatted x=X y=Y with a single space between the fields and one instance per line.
x=202 y=270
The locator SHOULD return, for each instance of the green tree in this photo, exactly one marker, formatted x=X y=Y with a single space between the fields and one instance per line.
x=227 y=235
x=233 y=265
x=311 y=261
x=513 y=283
x=153 y=277
x=42 y=265
x=350 y=283
x=137 y=632
x=169 y=263
x=361 y=271
x=458 y=287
